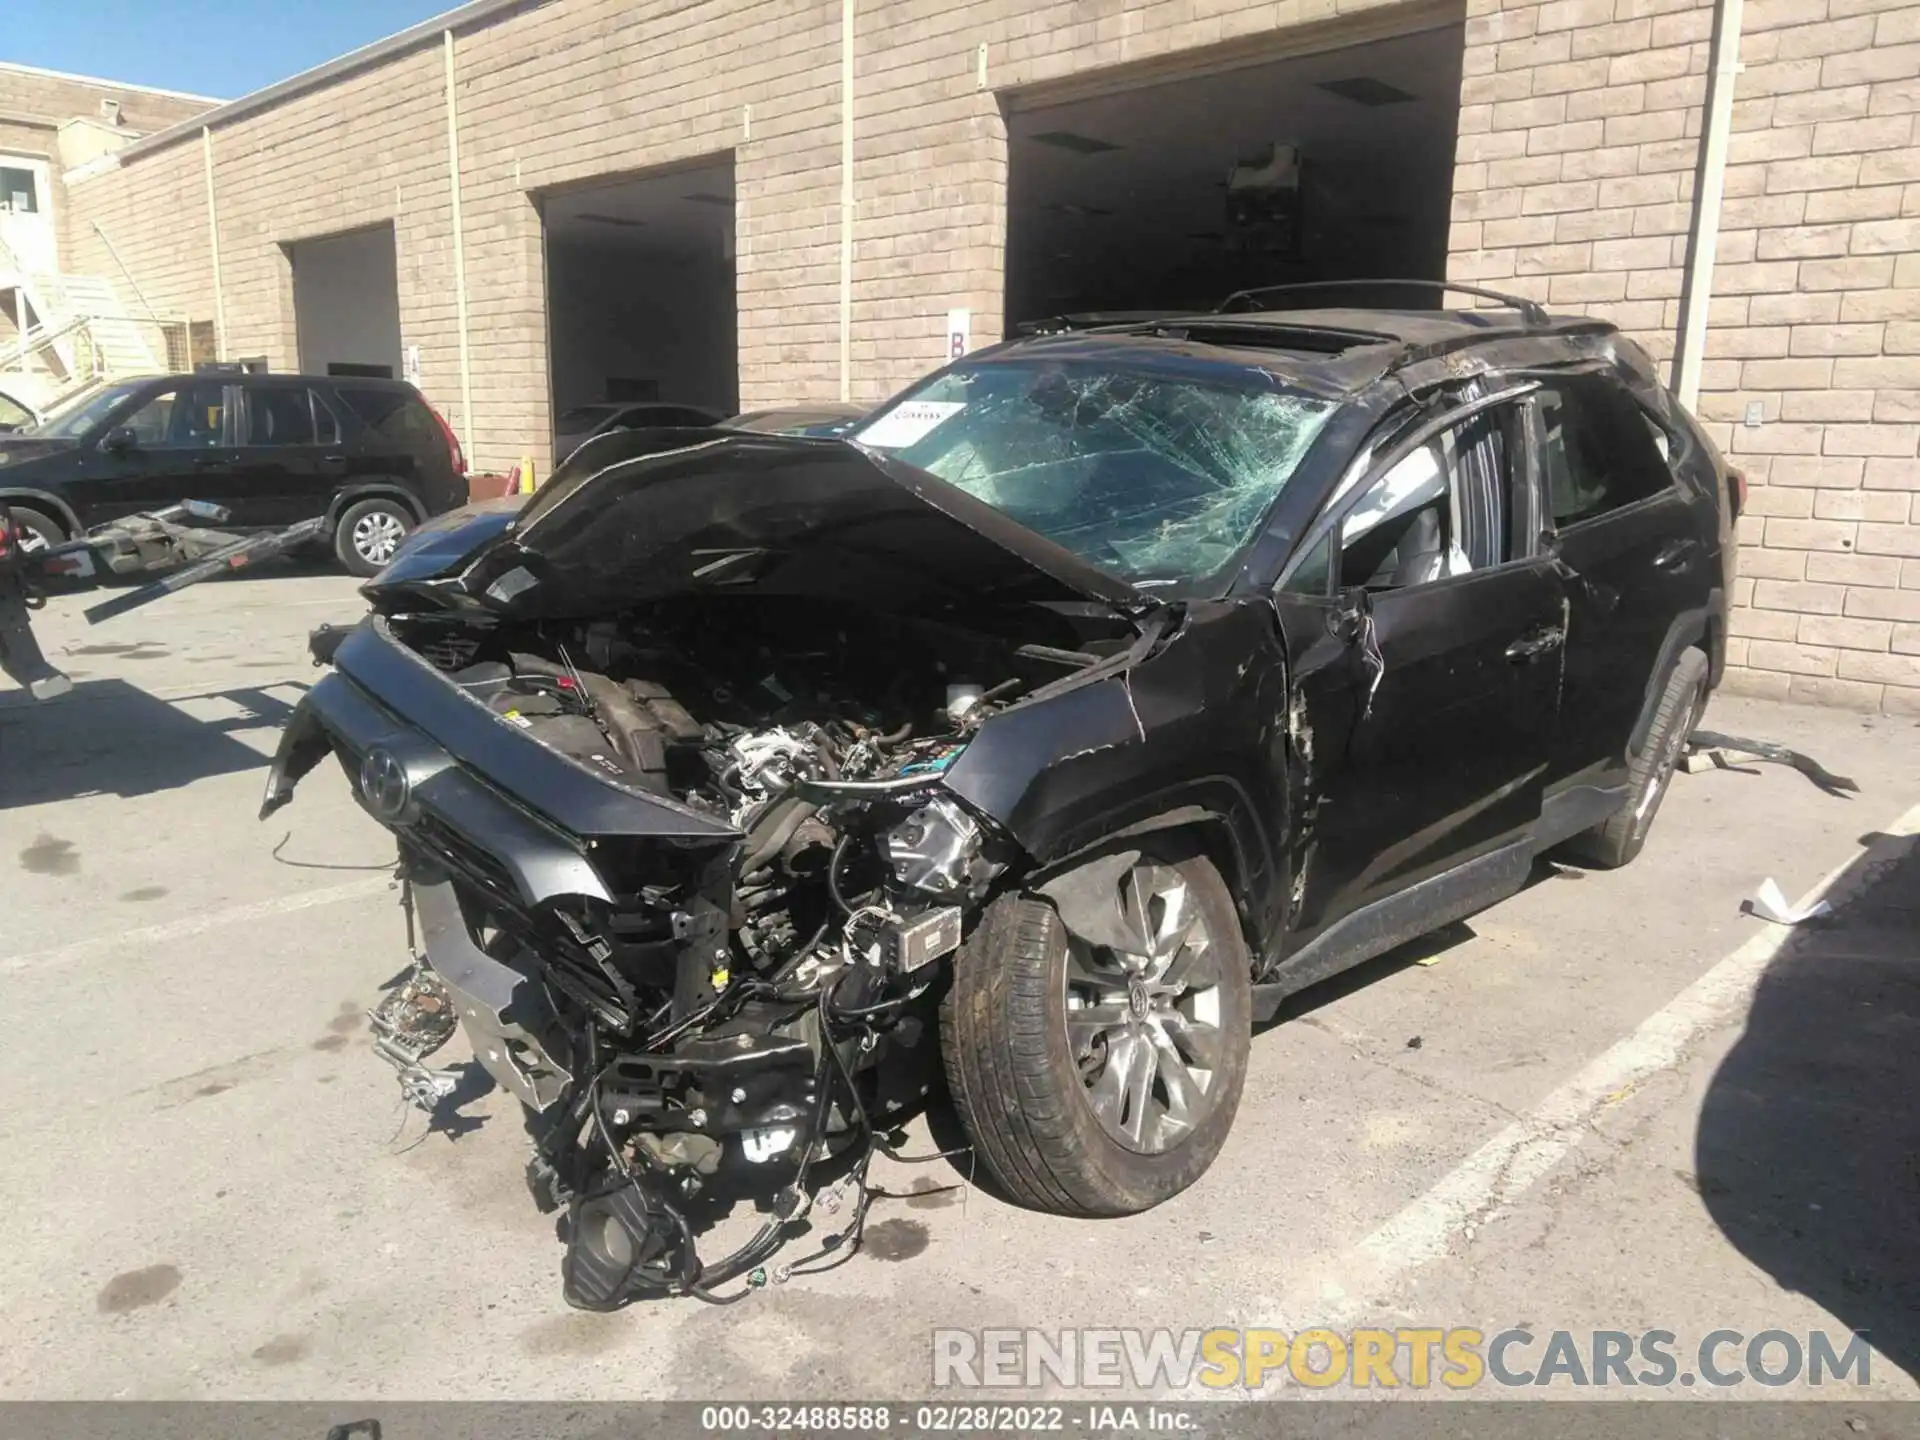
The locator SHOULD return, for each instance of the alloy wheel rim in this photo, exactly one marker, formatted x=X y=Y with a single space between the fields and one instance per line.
x=1143 y=1015
x=377 y=536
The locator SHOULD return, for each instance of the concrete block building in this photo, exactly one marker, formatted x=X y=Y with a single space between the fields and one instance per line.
x=529 y=206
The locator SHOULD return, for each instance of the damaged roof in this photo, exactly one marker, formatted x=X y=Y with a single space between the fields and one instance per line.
x=1346 y=348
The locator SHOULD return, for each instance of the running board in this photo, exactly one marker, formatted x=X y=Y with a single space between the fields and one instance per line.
x=1376 y=928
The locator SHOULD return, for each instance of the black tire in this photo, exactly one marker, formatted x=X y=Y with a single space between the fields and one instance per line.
x=1617 y=840
x=359 y=523
x=1016 y=1086
x=35 y=524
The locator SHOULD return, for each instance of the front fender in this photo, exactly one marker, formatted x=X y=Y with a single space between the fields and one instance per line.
x=1192 y=737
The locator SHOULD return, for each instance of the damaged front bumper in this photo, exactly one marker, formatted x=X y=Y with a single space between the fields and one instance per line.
x=492 y=882
x=728 y=1080
x=582 y=934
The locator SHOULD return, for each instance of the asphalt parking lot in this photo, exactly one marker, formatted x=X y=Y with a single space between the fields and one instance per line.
x=1614 y=1102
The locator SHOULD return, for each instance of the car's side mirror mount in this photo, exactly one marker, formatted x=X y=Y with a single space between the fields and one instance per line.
x=121 y=437
x=1347 y=619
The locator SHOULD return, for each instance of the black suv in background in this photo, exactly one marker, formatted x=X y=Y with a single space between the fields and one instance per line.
x=370 y=456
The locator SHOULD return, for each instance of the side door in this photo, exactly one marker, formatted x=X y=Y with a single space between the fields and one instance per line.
x=290 y=459
x=172 y=446
x=1424 y=634
x=1636 y=562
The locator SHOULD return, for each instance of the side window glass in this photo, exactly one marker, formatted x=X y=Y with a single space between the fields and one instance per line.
x=1446 y=509
x=1310 y=576
x=191 y=417
x=279 y=415
x=394 y=416
x=199 y=420
x=1485 y=504
x=1398 y=532
x=152 y=421
x=1599 y=451
x=326 y=425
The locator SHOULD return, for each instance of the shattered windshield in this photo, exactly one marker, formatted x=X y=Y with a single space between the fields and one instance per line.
x=1149 y=474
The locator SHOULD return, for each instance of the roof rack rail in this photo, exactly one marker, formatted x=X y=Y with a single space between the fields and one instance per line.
x=1531 y=311
x=1094 y=320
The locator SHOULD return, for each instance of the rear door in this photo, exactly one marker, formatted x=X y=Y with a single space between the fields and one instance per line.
x=1637 y=562
x=290 y=460
x=1426 y=673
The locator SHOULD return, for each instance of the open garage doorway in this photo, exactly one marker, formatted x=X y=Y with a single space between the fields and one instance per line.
x=641 y=307
x=346 y=303
x=1176 y=193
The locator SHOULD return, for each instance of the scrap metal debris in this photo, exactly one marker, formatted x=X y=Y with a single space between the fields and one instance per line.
x=1709 y=748
x=1769 y=904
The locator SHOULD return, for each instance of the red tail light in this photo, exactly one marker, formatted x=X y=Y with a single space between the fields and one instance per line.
x=1737 y=491
x=454 y=451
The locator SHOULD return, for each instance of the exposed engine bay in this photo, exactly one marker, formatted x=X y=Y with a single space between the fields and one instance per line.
x=750 y=998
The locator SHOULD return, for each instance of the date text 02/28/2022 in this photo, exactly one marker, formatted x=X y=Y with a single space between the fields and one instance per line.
x=942 y=1419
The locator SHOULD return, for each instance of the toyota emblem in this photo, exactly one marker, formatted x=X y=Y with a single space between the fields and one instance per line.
x=384 y=783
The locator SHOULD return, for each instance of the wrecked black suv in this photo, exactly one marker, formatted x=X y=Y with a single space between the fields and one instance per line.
x=1098 y=693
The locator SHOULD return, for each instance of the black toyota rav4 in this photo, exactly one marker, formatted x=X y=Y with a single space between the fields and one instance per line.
x=1095 y=695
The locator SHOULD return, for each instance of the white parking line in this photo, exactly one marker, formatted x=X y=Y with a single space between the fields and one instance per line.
x=1491 y=1179
x=189 y=926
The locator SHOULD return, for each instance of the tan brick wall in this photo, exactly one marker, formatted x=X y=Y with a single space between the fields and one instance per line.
x=33 y=106
x=580 y=89
x=1576 y=158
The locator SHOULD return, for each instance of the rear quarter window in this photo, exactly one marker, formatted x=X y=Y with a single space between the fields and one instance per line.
x=400 y=420
x=1601 y=451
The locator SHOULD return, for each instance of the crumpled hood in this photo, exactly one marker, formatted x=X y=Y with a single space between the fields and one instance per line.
x=668 y=514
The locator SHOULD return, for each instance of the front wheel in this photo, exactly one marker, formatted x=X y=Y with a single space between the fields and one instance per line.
x=369 y=533
x=1100 y=1076
x=37 y=529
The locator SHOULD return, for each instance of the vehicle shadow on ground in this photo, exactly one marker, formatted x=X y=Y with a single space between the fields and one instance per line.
x=111 y=738
x=1808 y=1149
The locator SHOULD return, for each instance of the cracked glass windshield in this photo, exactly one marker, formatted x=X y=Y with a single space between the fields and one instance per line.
x=1153 y=475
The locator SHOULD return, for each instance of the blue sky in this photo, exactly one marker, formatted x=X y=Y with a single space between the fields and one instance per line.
x=221 y=48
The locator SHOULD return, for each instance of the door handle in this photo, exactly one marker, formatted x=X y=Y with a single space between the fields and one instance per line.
x=1677 y=555
x=207 y=462
x=1541 y=640
x=334 y=462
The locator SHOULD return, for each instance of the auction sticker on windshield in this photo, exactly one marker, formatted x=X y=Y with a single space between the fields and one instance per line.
x=909 y=424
